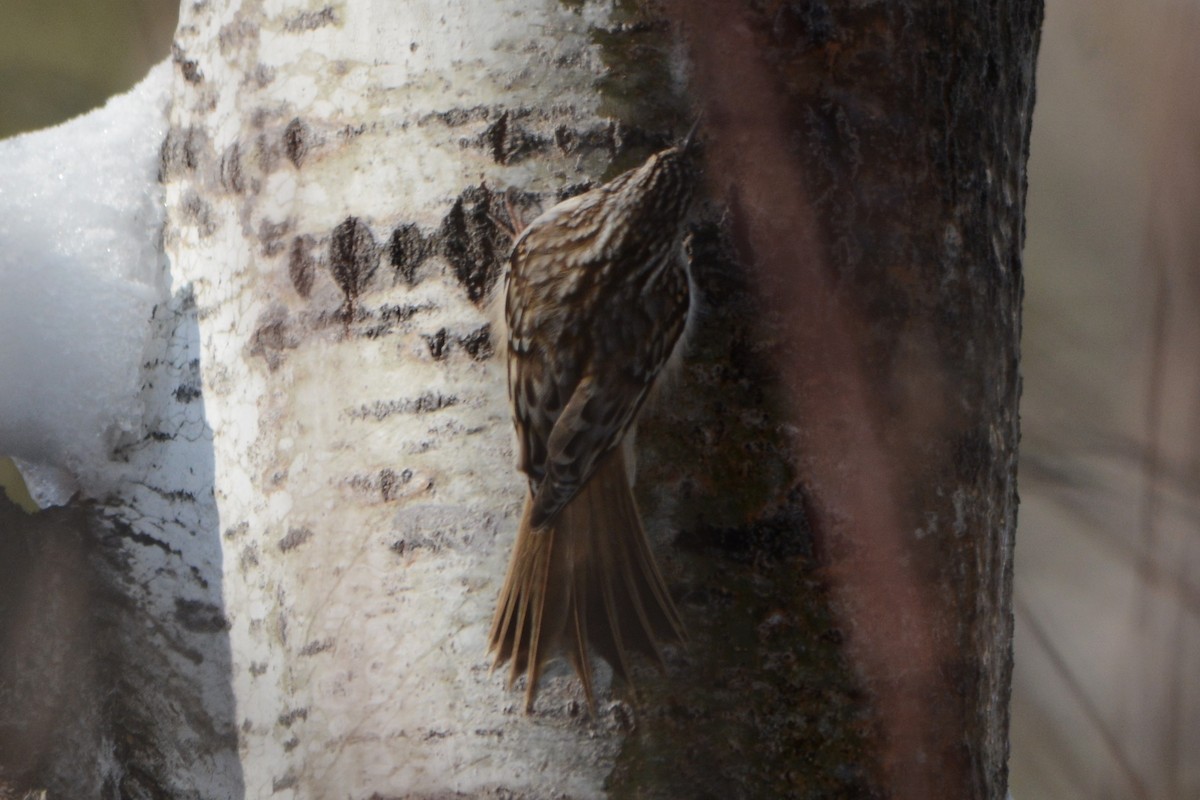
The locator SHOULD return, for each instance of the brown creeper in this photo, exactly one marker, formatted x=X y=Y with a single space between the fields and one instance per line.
x=597 y=297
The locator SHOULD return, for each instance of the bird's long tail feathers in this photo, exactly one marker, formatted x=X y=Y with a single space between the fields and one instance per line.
x=587 y=580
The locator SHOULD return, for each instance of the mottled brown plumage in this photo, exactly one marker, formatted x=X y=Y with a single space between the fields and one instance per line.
x=597 y=297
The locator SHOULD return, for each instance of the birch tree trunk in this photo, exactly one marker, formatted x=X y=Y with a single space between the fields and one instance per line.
x=332 y=179
x=316 y=626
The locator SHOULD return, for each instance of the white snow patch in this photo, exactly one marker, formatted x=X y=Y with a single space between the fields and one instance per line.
x=81 y=215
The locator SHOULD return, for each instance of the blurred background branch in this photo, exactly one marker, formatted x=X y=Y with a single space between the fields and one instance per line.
x=1106 y=699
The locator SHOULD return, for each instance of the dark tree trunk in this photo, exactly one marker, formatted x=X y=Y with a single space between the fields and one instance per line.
x=874 y=159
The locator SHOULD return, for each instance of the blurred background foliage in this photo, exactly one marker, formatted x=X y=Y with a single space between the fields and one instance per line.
x=59 y=58
x=1106 y=700
x=1106 y=697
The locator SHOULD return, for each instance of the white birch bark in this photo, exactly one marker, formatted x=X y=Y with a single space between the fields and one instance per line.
x=360 y=434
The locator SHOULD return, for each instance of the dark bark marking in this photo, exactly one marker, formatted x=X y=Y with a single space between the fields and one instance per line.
x=294 y=538
x=353 y=259
x=197 y=212
x=407 y=249
x=232 y=177
x=289 y=718
x=189 y=68
x=387 y=484
x=495 y=135
x=316 y=646
x=187 y=392
x=296 y=140
x=455 y=117
x=235 y=35
x=183 y=151
x=273 y=335
x=436 y=343
x=234 y=531
x=200 y=617
x=473 y=243
x=478 y=343
x=425 y=404
x=389 y=481
x=508 y=142
x=311 y=20
x=302 y=265
x=271 y=235
x=287 y=782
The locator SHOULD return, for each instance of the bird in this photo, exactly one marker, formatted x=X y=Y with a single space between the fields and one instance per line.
x=596 y=300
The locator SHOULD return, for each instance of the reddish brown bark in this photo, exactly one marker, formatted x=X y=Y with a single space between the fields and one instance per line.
x=875 y=162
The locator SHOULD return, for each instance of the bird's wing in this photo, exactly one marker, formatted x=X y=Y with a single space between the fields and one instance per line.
x=593 y=422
